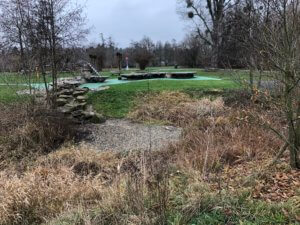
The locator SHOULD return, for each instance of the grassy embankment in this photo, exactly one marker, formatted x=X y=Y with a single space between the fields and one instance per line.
x=119 y=99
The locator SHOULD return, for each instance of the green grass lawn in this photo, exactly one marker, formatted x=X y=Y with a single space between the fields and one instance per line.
x=8 y=94
x=117 y=101
x=15 y=78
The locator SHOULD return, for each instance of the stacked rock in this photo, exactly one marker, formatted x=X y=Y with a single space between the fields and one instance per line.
x=72 y=101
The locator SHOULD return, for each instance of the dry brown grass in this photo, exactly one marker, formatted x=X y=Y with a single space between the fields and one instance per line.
x=42 y=193
x=215 y=135
x=78 y=186
x=175 y=108
x=80 y=178
x=213 y=142
x=65 y=179
x=27 y=131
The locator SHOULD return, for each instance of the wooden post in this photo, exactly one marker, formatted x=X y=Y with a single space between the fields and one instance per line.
x=119 y=56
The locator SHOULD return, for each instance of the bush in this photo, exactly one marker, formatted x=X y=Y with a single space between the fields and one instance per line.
x=143 y=52
x=143 y=58
x=27 y=131
x=210 y=143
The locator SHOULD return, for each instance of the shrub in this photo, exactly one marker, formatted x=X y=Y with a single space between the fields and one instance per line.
x=211 y=143
x=143 y=58
x=143 y=52
x=26 y=132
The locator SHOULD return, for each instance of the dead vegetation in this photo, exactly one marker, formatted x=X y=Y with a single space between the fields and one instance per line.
x=27 y=131
x=135 y=188
x=43 y=192
x=175 y=108
x=77 y=177
x=213 y=142
x=201 y=179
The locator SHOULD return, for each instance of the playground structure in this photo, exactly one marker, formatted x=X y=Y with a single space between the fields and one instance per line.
x=91 y=75
x=157 y=75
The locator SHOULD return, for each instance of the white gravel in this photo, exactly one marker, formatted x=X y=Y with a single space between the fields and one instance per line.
x=124 y=135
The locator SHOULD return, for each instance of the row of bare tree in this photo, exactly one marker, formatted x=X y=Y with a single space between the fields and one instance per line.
x=41 y=31
x=145 y=52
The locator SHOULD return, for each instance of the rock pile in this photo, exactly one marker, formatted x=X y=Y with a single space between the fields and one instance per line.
x=70 y=81
x=72 y=101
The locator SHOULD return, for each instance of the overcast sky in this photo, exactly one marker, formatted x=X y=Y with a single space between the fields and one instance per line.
x=127 y=20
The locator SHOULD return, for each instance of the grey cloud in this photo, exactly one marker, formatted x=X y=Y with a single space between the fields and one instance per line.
x=127 y=20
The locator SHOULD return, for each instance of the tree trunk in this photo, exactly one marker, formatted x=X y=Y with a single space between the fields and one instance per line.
x=215 y=46
x=53 y=52
x=297 y=135
x=293 y=128
x=251 y=79
x=215 y=58
x=259 y=79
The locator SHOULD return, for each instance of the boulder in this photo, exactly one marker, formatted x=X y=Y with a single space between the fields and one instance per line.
x=65 y=92
x=61 y=102
x=81 y=98
x=103 y=88
x=82 y=105
x=68 y=97
x=79 y=93
x=69 y=82
x=88 y=115
x=66 y=109
x=76 y=106
x=85 y=89
x=77 y=114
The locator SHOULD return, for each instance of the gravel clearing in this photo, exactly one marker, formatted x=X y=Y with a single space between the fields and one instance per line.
x=124 y=135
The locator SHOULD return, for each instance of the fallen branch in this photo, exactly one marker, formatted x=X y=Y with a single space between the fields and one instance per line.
x=279 y=155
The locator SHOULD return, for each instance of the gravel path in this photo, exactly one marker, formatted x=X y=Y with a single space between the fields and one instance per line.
x=124 y=135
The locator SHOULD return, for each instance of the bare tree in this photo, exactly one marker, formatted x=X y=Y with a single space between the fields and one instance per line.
x=12 y=23
x=208 y=19
x=280 y=49
x=58 y=24
x=242 y=28
x=189 y=51
x=40 y=29
x=143 y=52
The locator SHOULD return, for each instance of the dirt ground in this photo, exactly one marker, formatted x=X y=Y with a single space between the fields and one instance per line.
x=124 y=135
